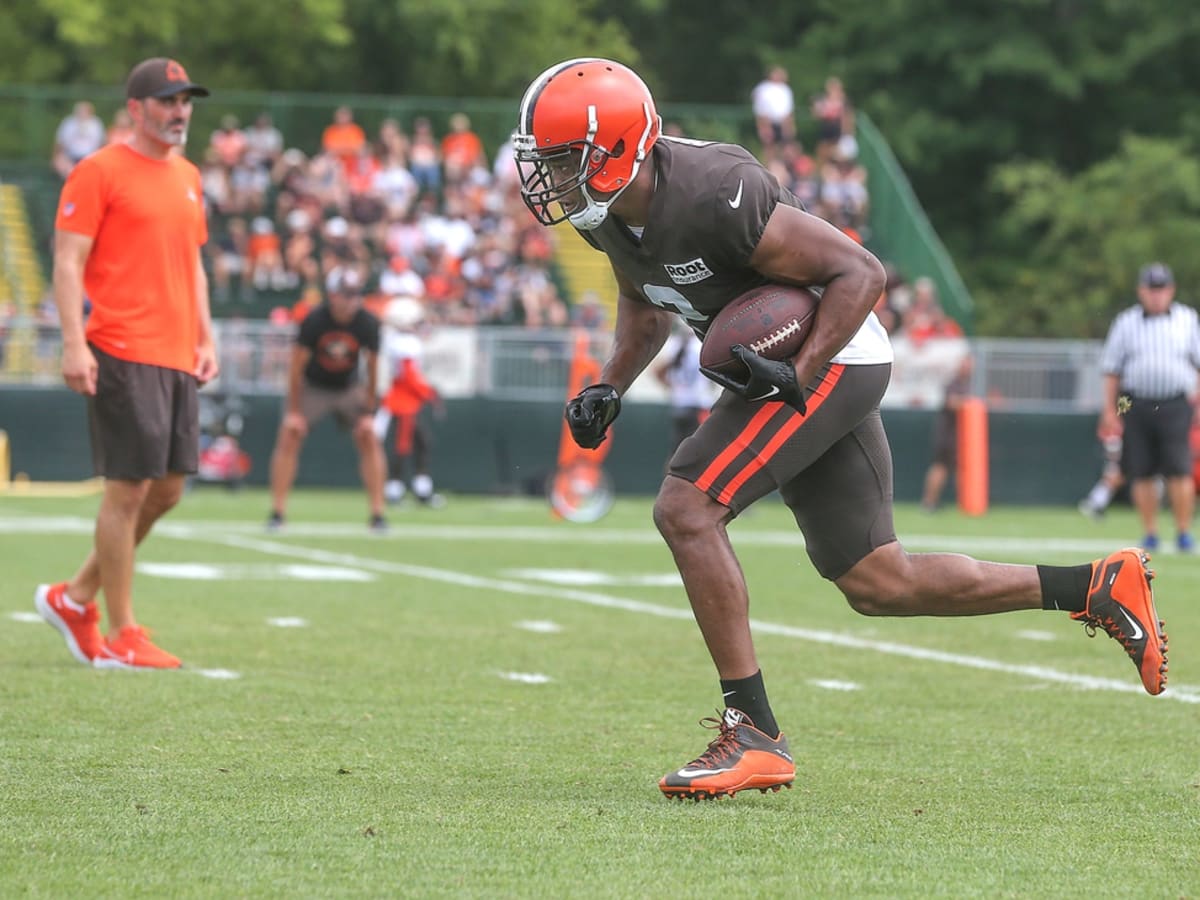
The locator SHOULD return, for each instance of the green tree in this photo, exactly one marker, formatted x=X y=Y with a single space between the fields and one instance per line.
x=469 y=48
x=961 y=89
x=233 y=42
x=1084 y=236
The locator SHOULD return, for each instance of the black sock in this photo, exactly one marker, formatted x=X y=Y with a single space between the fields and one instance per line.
x=1065 y=587
x=748 y=695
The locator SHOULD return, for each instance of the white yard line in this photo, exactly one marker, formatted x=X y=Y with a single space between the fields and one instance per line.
x=239 y=535
x=608 y=601
x=742 y=533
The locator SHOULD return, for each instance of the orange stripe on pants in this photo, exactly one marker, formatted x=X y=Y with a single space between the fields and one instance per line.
x=820 y=393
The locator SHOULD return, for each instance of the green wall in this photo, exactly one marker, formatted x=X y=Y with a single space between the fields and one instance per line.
x=488 y=446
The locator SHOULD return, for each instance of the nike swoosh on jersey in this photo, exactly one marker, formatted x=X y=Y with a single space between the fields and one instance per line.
x=737 y=198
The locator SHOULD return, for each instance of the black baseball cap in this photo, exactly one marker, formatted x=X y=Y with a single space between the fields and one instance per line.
x=1156 y=275
x=160 y=77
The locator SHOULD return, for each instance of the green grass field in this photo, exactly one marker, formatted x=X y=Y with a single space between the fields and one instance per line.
x=480 y=704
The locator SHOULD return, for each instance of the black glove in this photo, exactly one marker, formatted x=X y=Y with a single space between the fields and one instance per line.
x=766 y=379
x=590 y=413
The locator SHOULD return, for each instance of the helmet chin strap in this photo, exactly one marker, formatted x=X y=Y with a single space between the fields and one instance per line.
x=594 y=212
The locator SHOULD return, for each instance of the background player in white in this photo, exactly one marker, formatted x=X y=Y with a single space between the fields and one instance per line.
x=407 y=393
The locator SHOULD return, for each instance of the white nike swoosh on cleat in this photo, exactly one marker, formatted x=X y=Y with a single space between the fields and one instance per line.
x=1137 y=630
x=696 y=773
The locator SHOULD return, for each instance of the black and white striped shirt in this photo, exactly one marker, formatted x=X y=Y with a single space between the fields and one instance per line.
x=1155 y=357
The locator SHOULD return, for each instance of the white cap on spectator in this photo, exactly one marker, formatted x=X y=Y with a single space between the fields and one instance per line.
x=337 y=227
x=299 y=220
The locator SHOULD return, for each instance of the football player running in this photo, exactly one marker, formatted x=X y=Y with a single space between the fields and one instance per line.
x=688 y=226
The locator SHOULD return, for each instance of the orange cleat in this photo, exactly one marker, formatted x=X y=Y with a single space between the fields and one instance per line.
x=739 y=757
x=79 y=625
x=1121 y=602
x=132 y=650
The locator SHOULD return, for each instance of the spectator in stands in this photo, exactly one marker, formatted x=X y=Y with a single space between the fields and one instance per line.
x=228 y=141
x=264 y=143
x=334 y=340
x=218 y=185
x=886 y=313
x=424 y=157
x=395 y=185
x=228 y=257
x=343 y=137
x=504 y=170
x=364 y=205
x=843 y=198
x=393 y=141
x=399 y=280
x=78 y=134
x=774 y=106
x=925 y=318
x=264 y=256
x=462 y=149
x=120 y=130
x=1149 y=363
x=469 y=235
x=831 y=110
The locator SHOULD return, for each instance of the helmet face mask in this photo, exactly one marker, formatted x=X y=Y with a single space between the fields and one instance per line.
x=557 y=177
x=586 y=126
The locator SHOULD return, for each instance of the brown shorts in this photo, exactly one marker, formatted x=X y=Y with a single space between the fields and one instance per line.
x=347 y=405
x=832 y=467
x=144 y=420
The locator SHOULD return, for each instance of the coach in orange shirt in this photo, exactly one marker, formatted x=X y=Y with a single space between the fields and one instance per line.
x=128 y=234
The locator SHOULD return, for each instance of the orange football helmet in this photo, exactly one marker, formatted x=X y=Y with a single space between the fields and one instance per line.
x=585 y=125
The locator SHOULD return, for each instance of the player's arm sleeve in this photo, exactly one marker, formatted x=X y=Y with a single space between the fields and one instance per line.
x=744 y=202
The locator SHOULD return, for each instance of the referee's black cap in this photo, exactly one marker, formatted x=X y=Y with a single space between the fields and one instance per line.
x=1156 y=275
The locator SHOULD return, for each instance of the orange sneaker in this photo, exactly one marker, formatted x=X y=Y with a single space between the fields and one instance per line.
x=79 y=625
x=739 y=757
x=1121 y=602
x=132 y=650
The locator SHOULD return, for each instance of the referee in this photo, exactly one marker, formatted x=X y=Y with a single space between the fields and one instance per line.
x=1149 y=364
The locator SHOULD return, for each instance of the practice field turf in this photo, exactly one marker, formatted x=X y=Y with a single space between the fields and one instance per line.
x=480 y=703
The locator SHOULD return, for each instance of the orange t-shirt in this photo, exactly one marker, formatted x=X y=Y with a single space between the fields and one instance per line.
x=461 y=148
x=146 y=220
x=343 y=139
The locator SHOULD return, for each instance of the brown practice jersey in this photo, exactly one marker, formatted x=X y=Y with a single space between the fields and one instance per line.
x=710 y=206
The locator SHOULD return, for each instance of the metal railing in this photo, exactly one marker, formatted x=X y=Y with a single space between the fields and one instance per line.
x=1044 y=376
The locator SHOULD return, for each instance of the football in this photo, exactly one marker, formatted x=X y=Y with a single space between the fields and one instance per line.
x=773 y=320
